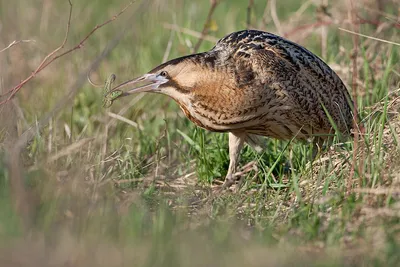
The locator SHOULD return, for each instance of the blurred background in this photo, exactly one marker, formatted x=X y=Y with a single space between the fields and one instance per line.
x=81 y=185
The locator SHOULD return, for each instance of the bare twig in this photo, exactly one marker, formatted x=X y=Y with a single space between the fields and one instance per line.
x=42 y=64
x=15 y=42
x=21 y=196
x=14 y=90
x=50 y=58
x=204 y=32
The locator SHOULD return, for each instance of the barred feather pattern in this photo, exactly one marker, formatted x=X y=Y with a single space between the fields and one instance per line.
x=264 y=84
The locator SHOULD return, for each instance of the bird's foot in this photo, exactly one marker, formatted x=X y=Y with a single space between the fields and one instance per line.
x=238 y=176
x=229 y=181
x=219 y=189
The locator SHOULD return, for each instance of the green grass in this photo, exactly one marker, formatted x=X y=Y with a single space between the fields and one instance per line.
x=137 y=194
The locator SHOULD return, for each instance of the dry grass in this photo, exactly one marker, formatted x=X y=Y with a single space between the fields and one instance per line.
x=132 y=184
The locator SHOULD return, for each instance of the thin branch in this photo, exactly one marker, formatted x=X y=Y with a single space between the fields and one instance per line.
x=63 y=43
x=50 y=58
x=249 y=8
x=15 y=42
x=21 y=196
x=14 y=90
x=204 y=32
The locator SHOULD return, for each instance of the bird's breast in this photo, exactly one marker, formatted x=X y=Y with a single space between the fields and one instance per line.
x=196 y=119
x=227 y=108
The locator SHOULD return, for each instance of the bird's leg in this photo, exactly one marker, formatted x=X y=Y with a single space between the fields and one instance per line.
x=236 y=141
x=256 y=142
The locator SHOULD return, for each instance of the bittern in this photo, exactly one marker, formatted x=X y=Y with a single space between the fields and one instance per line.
x=251 y=84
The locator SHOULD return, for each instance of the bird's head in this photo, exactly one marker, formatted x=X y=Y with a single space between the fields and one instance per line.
x=177 y=78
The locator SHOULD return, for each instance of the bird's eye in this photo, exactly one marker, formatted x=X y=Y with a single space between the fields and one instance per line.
x=164 y=74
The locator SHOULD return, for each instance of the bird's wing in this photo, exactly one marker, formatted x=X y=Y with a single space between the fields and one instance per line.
x=286 y=69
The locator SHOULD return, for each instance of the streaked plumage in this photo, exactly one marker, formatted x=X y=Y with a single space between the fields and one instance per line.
x=254 y=83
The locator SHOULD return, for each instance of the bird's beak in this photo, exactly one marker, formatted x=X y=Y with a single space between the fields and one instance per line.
x=145 y=83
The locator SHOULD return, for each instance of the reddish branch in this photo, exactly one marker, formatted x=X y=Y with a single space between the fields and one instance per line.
x=50 y=58
x=21 y=196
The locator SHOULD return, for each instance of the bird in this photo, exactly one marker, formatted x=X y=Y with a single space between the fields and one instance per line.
x=254 y=84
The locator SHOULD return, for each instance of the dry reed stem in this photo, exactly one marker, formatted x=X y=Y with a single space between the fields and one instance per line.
x=370 y=37
x=190 y=32
x=73 y=148
x=275 y=17
x=169 y=47
x=349 y=182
